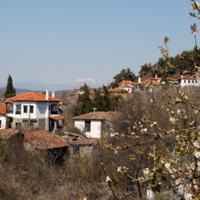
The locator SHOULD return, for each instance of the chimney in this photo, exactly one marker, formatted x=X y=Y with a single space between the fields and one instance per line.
x=47 y=94
x=94 y=111
x=139 y=79
x=53 y=94
x=156 y=76
x=182 y=76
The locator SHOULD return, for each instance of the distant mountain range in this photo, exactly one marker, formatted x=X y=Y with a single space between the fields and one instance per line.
x=68 y=85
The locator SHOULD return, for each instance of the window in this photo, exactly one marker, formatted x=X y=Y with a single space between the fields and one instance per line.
x=33 y=121
x=0 y=123
x=10 y=108
x=18 y=109
x=87 y=126
x=31 y=109
x=25 y=109
x=18 y=125
x=184 y=81
x=196 y=81
x=188 y=81
x=54 y=109
x=192 y=81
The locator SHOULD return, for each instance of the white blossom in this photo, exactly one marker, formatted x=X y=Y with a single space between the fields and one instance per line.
x=167 y=165
x=112 y=135
x=197 y=154
x=119 y=169
x=196 y=144
x=146 y=171
x=145 y=129
x=172 y=120
x=188 y=196
x=107 y=178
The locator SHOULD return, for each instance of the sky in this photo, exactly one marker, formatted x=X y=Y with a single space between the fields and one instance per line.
x=49 y=41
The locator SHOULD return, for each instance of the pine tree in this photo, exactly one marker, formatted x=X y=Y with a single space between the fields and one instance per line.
x=86 y=103
x=10 y=90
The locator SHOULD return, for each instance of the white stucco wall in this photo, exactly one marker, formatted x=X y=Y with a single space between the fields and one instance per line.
x=3 y=121
x=95 y=130
x=40 y=110
x=185 y=82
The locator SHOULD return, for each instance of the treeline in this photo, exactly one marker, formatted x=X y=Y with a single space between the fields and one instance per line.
x=101 y=101
x=184 y=61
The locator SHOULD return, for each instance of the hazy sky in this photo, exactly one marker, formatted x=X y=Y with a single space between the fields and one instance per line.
x=51 y=41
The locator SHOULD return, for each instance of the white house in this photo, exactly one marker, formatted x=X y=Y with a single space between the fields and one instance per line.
x=34 y=109
x=76 y=91
x=3 y=116
x=94 y=123
x=189 y=81
x=128 y=86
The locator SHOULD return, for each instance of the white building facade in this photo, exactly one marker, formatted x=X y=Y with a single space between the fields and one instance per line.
x=33 y=109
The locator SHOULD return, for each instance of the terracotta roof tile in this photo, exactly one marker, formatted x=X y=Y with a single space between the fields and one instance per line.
x=58 y=117
x=7 y=133
x=116 y=89
x=76 y=89
x=126 y=86
x=127 y=82
x=100 y=115
x=42 y=139
x=31 y=96
x=3 y=109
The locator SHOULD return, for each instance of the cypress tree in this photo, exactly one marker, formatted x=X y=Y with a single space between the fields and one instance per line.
x=10 y=90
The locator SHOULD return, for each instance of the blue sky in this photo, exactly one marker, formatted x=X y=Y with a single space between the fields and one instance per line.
x=52 y=41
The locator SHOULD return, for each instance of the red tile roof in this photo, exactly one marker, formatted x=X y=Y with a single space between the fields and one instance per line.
x=42 y=139
x=189 y=77
x=76 y=89
x=58 y=117
x=92 y=92
x=100 y=115
x=7 y=133
x=127 y=82
x=149 y=81
x=126 y=86
x=116 y=89
x=3 y=109
x=158 y=78
x=31 y=96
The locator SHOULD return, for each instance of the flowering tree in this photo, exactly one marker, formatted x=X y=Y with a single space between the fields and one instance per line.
x=168 y=134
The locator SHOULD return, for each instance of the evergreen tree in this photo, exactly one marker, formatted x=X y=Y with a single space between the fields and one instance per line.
x=10 y=90
x=125 y=74
x=85 y=103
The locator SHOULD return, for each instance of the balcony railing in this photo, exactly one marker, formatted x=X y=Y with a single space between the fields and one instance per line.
x=17 y=112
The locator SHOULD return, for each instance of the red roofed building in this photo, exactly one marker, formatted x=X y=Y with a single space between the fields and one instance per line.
x=34 y=109
x=129 y=86
x=3 y=115
x=189 y=81
x=94 y=123
x=76 y=91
